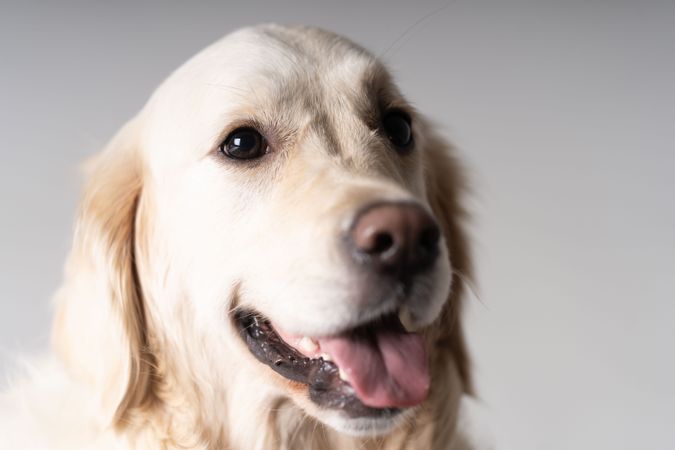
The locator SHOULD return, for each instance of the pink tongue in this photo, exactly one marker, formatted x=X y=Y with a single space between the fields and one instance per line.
x=388 y=370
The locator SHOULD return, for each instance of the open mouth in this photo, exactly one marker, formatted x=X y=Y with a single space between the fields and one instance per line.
x=374 y=370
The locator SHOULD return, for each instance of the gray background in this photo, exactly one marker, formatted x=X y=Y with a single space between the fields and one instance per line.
x=563 y=110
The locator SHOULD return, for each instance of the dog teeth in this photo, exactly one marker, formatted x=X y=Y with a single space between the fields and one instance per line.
x=343 y=375
x=308 y=345
x=326 y=357
x=406 y=320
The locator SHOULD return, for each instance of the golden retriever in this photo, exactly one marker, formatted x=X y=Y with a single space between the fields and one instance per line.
x=270 y=255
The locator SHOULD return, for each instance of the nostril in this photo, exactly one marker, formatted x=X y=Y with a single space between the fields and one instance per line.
x=427 y=247
x=428 y=239
x=382 y=242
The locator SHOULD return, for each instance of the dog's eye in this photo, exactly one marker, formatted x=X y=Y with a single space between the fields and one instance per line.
x=397 y=127
x=244 y=143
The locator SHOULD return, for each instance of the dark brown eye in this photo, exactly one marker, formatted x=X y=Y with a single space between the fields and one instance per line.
x=244 y=143
x=398 y=129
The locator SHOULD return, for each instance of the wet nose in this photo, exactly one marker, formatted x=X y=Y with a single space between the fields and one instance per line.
x=395 y=238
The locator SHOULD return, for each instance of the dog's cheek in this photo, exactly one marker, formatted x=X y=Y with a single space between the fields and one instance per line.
x=193 y=230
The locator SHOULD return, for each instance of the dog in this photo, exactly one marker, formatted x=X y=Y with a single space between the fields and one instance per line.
x=271 y=254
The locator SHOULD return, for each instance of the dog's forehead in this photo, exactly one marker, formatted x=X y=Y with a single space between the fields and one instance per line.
x=281 y=56
x=280 y=63
x=285 y=76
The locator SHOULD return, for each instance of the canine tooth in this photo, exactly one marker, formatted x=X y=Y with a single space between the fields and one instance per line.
x=406 y=320
x=343 y=375
x=308 y=345
x=326 y=357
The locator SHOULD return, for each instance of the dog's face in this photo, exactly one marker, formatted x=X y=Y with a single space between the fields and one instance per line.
x=286 y=185
x=285 y=228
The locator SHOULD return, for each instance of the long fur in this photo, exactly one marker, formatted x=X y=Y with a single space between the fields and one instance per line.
x=121 y=375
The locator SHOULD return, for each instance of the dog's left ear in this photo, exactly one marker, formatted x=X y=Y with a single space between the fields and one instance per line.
x=100 y=328
x=446 y=186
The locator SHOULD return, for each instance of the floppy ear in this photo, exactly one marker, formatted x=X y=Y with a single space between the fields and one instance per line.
x=99 y=330
x=445 y=187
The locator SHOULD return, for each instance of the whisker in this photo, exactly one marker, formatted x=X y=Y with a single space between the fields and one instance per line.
x=412 y=27
x=468 y=282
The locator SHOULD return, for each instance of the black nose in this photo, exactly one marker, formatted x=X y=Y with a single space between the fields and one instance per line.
x=395 y=238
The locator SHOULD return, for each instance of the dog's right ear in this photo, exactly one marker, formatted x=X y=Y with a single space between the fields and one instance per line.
x=100 y=328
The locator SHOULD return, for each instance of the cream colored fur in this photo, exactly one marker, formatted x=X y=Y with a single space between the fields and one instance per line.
x=171 y=237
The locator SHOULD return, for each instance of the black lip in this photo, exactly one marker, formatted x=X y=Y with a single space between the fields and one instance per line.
x=326 y=389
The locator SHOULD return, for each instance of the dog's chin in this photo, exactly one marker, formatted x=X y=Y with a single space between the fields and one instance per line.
x=363 y=426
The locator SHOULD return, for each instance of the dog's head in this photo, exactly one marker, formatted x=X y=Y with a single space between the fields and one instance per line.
x=278 y=222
